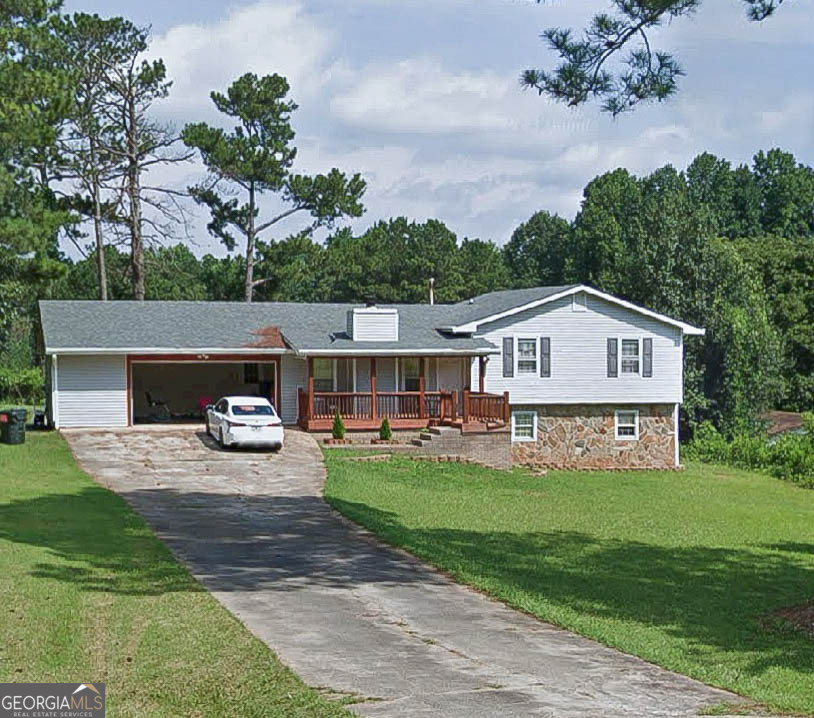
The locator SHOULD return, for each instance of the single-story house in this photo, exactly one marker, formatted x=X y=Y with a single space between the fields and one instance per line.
x=579 y=377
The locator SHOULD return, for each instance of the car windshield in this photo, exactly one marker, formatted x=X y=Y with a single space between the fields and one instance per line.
x=252 y=410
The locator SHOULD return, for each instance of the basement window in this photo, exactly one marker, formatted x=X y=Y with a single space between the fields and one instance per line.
x=626 y=422
x=524 y=426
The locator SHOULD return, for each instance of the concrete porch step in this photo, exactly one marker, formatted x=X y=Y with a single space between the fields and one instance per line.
x=444 y=430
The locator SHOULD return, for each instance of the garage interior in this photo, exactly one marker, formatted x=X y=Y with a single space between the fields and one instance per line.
x=170 y=392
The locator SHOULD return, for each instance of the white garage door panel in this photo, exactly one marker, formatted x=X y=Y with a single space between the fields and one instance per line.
x=92 y=391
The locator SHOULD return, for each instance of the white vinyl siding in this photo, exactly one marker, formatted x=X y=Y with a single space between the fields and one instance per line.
x=375 y=325
x=579 y=356
x=293 y=375
x=91 y=391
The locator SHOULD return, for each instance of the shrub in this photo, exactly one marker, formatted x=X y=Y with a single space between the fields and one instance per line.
x=793 y=459
x=24 y=386
x=338 y=429
x=789 y=457
x=708 y=445
x=751 y=452
x=385 y=433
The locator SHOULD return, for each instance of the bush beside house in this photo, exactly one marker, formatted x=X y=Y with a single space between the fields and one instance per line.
x=789 y=456
x=338 y=429
x=385 y=432
x=22 y=385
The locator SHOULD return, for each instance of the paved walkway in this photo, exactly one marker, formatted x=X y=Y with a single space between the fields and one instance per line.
x=349 y=615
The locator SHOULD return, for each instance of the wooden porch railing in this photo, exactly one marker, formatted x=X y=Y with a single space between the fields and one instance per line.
x=390 y=404
x=350 y=404
x=440 y=406
x=485 y=407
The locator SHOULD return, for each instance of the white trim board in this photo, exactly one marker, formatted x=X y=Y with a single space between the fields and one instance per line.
x=472 y=326
x=193 y=353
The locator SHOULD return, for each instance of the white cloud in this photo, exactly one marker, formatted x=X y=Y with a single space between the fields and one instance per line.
x=421 y=95
x=264 y=38
x=795 y=111
x=439 y=126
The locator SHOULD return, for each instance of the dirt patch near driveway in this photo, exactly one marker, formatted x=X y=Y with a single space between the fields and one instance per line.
x=800 y=617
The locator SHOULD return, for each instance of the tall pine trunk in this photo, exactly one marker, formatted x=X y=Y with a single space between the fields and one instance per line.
x=97 y=229
x=101 y=269
x=248 y=284
x=134 y=196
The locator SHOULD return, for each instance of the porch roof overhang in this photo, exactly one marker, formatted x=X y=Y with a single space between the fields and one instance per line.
x=399 y=352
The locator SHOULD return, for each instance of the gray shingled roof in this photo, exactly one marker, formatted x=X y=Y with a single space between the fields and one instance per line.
x=120 y=325
x=485 y=305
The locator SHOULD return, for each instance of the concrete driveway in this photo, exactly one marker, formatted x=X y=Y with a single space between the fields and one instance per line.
x=349 y=615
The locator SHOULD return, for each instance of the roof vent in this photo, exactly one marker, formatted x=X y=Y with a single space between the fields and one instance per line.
x=374 y=324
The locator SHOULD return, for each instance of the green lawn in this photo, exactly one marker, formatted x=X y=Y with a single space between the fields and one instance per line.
x=87 y=593
x=682 y=569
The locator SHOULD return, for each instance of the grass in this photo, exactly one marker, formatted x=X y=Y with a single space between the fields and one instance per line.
x=682 y=569
x=87 y=593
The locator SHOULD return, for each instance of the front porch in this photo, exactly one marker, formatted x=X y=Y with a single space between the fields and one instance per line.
x=413 y=407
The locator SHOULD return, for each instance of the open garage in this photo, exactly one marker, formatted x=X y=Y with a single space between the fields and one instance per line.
x=172 y=390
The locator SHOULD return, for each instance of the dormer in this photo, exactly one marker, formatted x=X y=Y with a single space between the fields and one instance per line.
x=373 y=324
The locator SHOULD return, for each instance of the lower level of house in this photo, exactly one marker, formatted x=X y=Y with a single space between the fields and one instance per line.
x=87 y=390
x=595 y=436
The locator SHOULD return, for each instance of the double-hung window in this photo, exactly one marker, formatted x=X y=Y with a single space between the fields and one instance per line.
x=626 y=422
x=631 y=356
x=527 y=356
x=410 y=373
x=323 y=375
x=524 y=426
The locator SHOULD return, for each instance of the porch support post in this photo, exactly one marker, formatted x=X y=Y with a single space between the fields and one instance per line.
x=422 y=408
x=481 y=373
x=466 y=406
x=373 y=388
x=310 y=362
x=506 y=409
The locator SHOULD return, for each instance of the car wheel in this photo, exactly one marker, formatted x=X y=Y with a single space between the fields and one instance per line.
x=221 y=440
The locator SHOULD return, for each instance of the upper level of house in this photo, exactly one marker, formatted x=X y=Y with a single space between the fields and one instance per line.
x=580 y=345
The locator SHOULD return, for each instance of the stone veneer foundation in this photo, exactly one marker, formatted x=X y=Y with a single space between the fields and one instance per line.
x=582 y=437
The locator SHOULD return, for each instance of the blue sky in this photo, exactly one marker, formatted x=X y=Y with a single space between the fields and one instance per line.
x=422 y=97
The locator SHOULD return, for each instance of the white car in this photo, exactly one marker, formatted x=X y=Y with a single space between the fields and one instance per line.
x=244 y=420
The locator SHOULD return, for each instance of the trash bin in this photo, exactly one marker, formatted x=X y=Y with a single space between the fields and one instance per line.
x=12 y=426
